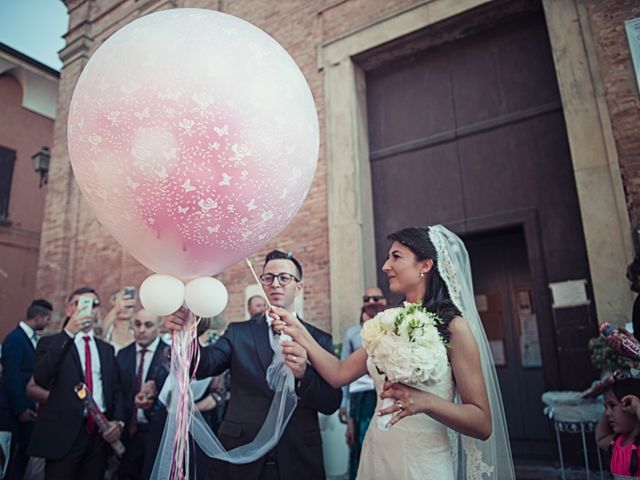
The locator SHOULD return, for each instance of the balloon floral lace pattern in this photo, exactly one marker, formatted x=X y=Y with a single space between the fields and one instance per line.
x=175 y=147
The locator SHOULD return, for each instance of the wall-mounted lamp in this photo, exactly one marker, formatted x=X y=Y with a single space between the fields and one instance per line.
x=41 y=164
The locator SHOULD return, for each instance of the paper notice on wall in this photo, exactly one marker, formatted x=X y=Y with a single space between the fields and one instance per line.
x=482 y=303
x=571 y=293
x=530 y=353
x=528 y=324
x=497 y=352
x=524 y=300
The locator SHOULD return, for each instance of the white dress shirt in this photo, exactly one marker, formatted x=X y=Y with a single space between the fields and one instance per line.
x=31 y=333
x=96 y=371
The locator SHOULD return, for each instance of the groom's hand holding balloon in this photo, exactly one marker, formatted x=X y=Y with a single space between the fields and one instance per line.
x=285 y=322
x=295 y=354
x=176 y=321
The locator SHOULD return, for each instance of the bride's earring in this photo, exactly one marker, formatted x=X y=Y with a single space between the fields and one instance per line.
x=421 y=274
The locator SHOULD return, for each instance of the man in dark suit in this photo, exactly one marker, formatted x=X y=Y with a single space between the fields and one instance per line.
x=17 y=412
x=142 y=361
x=64 y=435
x=245 y=350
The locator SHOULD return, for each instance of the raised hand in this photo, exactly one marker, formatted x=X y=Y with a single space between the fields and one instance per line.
x=286 y=323
x=77 y=324
x=124 y=307
x=177 y=320
x=631 y=405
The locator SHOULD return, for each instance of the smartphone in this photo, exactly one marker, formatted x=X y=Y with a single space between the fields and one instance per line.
x=85 y=306
x=129 y=293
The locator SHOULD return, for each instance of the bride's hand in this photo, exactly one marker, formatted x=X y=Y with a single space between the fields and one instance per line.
x=284 y=322
x=409 y=401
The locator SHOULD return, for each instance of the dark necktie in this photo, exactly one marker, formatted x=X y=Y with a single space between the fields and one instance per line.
x=88 y=377
x=133 y=424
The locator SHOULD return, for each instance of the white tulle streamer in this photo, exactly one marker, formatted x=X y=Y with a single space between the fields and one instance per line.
x=172 y=460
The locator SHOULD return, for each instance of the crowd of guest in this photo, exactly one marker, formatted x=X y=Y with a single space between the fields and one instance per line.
x=122 y=358
x=46 y=431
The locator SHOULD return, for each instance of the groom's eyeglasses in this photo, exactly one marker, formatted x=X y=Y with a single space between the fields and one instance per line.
x=283 y=278
x=372 y=298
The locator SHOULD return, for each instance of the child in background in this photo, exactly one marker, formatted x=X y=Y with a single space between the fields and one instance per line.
x=618 y=431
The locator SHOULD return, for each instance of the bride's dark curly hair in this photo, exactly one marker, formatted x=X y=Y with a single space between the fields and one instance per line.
x=437 y=299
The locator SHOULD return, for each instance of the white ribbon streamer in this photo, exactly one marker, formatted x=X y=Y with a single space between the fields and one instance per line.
x=280 y=380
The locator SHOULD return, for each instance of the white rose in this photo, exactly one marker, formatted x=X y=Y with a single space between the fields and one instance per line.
x=392 y=357
x=371 y=330
x=429 y=364
x=410 y=363
x=427 y=336
x=388 y=319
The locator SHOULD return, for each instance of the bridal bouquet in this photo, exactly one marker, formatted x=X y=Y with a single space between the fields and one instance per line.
x=405 y=345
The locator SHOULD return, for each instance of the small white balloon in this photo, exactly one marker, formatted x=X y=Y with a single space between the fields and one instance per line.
x=162 y=294
x=205 y=296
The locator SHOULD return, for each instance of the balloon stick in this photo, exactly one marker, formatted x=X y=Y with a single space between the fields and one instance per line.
x=258 y=281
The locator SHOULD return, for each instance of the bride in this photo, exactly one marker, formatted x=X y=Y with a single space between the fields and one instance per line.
x=454 y=428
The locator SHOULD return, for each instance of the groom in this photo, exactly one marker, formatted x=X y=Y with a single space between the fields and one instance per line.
x=245 y=350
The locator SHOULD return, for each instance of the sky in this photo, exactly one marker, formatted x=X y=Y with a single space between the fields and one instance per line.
x=34 y=28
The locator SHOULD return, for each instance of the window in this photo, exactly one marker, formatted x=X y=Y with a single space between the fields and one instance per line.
x=7 y=159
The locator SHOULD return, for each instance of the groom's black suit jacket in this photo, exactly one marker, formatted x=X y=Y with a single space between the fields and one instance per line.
x=245 y=350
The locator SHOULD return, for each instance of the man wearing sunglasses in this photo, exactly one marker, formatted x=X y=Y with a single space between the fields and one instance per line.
x=64 y=435
x=359 y=397
x=245 y=350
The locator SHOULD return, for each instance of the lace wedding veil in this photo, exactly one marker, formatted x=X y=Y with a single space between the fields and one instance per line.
x=474 y=459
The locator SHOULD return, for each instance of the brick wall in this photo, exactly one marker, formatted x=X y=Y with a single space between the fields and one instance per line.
x=606 y=18
x=76 y=250
x=26 y=133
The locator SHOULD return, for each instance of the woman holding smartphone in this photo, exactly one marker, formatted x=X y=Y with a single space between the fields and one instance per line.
x=117 y=324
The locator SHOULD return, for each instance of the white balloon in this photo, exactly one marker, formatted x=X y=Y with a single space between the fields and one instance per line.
x=205 y=296
x=162 y=294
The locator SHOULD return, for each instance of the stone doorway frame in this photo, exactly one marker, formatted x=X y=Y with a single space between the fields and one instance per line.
x=595 y=163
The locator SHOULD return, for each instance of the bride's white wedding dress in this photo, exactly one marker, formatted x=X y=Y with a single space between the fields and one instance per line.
x=417 y=447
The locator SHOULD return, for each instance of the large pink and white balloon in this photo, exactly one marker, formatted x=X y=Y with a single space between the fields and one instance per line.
x=193 y=136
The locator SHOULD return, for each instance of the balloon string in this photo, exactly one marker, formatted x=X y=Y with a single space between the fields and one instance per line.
x=264 y=294
x=185 y=352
